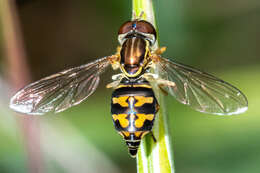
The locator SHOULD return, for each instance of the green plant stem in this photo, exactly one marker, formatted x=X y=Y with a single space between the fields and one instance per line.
x=154 y=157
x=18 y=76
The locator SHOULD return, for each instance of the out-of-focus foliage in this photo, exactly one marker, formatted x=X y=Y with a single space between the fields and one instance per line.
x=219 y=37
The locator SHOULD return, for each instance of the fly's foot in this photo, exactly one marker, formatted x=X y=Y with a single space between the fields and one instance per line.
x=154 y=139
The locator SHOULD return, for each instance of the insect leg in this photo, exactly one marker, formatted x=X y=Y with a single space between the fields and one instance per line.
x=118 y=49
x=163 y=90
x=114 y=59
x=159 y=51
x=154 y=139
x=113 y=84
x=116 y=80
x=151 y=77
x=117 y=76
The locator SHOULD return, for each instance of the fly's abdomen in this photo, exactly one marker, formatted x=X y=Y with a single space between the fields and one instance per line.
x=133 y=109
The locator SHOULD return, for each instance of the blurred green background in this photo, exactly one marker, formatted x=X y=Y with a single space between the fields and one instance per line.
x=220 y=37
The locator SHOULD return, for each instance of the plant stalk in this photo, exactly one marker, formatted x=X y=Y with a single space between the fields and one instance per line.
x=18 y=76
x=154 y=157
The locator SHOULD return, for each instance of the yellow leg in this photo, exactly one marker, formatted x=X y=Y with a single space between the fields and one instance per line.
x=116 y=80
x=163 y=90
x=155 y=78
x=113 y=84
x=114 y=61
x=160 y=50
x=118 y=49
x=159 y=81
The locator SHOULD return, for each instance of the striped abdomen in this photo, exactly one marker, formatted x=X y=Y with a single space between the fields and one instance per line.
x=133 y=109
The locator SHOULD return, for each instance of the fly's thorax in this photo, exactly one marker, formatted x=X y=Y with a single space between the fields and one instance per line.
x=134 y=56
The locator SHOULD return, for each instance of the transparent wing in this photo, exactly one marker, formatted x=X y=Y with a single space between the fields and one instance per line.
x=202 y=91
x=61 y=90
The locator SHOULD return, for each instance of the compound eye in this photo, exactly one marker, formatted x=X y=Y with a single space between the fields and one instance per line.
x=126 y=27
x=145 y=27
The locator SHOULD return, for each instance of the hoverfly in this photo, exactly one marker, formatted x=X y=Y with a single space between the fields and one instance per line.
x=133 y=104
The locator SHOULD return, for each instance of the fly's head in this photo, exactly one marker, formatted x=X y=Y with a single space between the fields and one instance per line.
x=137 y=28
